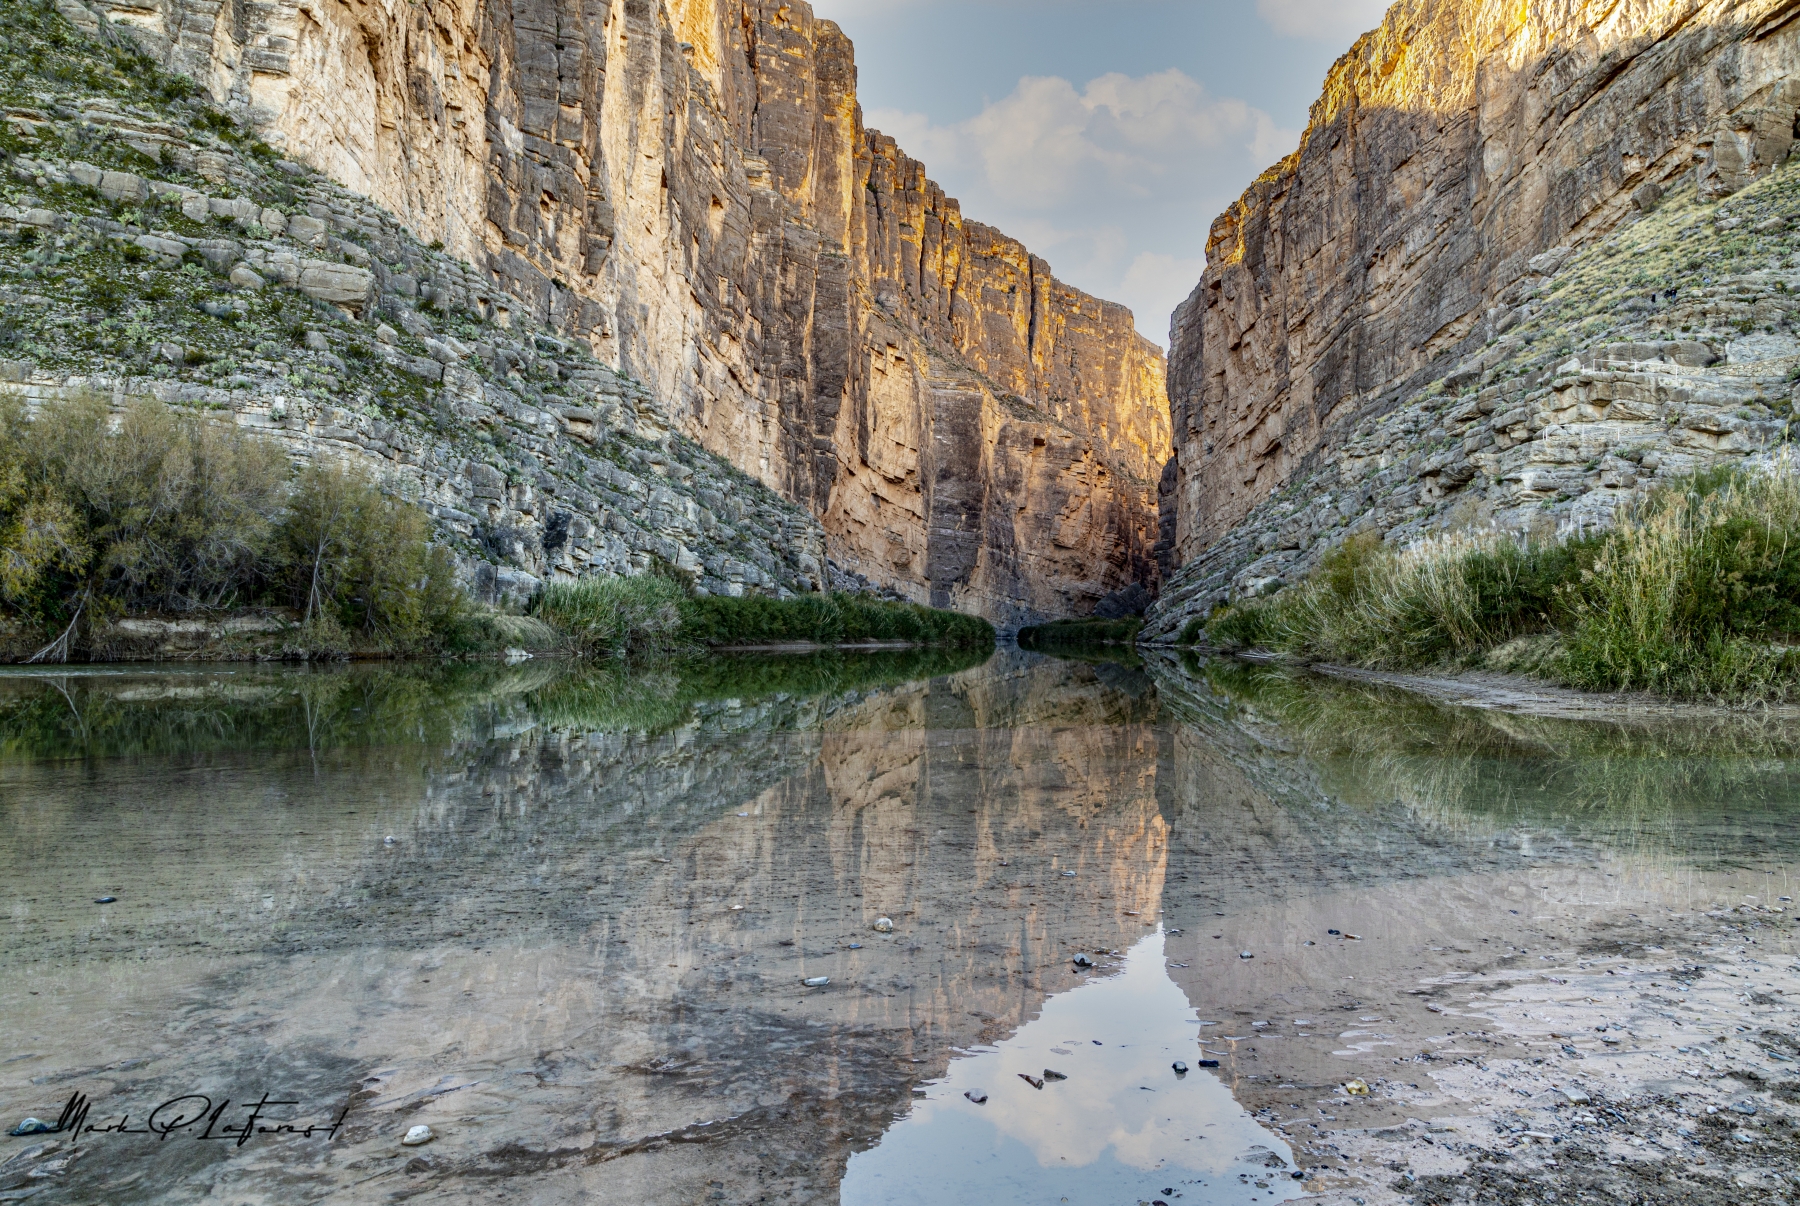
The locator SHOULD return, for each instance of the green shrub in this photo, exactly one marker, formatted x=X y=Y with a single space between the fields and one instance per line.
x=353 y=556
x=168 y=511
x=172 y=511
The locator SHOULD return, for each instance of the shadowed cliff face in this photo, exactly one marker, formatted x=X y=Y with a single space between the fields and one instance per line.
x=1453 y=150
x=689 y=186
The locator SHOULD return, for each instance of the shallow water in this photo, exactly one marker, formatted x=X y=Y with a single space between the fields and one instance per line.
x=565 y=918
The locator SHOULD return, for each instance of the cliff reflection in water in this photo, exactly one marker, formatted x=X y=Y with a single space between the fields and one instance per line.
x=587 y=940
x=580 y=959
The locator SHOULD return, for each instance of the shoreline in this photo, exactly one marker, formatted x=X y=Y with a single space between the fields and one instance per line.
x=1604 y=1038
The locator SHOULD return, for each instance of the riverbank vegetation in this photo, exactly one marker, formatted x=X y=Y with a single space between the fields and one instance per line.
x=1079 y=634
x=1695 y=593
x=176 y=513
x=657 y=615
x=165 y=512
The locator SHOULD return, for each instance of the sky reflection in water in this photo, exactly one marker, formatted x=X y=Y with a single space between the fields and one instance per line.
x=1123 y=1128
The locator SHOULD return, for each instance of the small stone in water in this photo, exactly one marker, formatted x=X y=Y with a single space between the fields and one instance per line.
x=1031 y=1080
x=884 y=925
x=1209 y=1063
x=105 y=899
x=817 y=982
x=1083 y=961
x=418 y=1136
x=1053 y=1074
x=977 y=1096
x=33 y=1126
x=1180 y=1068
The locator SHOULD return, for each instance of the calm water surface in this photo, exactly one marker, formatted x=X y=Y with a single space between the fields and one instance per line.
x=567 y=919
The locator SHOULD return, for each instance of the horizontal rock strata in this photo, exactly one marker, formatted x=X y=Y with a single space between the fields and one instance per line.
x=1459 y=156
x=689 y=189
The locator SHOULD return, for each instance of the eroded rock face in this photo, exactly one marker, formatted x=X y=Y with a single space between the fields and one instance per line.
x=1457 y=155
x=690 y=188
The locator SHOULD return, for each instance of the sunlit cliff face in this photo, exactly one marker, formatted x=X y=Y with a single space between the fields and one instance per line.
x=691 y=189
x=1449 y=147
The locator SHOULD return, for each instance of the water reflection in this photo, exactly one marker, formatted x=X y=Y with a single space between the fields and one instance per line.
x=580 y=958
x=1123 y=1126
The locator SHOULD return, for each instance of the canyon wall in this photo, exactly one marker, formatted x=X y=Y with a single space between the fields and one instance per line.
x=1457 y=157
x=688 y=186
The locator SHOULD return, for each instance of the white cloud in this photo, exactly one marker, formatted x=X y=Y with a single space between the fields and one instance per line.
x=1325 y=20
x=1117 y=182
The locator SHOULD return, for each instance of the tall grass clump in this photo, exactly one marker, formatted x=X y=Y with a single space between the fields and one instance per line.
x=1696 y=592
x=616 y=617
x=834 y=619
x=1442 y=600
x=655 y=614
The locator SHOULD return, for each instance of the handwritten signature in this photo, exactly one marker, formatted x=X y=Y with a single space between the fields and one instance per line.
x=193 y=1116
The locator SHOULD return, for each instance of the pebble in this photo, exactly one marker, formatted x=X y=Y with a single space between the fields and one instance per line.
x=1083 y=961
x=418 y=1136
x=1576 y=1097
x=390 y=840
x=1180 y=1068
x=883 y=925
x=1209 y=1063
x=977 y=1096
x=1356 y=1088
x=1053 y=1074
x=1068 y=875
x=1246 y=955
x=817 y=981
x=33 y=1126
x=1744 y=1107
x=105 y=899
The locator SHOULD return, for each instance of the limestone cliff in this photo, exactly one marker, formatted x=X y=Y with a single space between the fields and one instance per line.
x=1459 y=156
x=688 y=186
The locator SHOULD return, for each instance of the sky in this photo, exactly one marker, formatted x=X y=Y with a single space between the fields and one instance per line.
x=1104 y=134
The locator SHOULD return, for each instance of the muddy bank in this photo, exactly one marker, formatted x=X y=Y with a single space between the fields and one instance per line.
x=1517 y=693
x=1559 y=954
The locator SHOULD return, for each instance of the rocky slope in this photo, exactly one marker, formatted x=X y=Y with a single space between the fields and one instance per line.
x=688 y=189
x=1386 y=338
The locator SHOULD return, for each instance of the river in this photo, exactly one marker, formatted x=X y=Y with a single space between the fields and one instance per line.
x=877 y=929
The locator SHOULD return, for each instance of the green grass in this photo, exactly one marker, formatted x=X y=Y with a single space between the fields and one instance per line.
x=654 y=615
x=1064 y=634
x=616 y=617
x=836 y=619
x=1696 y=593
